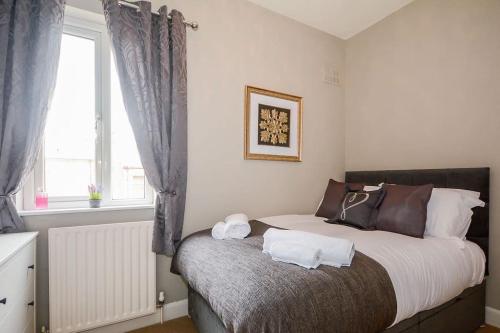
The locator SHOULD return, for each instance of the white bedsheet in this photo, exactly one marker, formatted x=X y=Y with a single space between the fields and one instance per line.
x=425 y=273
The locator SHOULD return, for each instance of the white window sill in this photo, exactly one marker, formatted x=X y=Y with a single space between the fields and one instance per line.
x=80 y=210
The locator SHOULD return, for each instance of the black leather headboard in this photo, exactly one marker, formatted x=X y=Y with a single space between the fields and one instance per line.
x=475 y=179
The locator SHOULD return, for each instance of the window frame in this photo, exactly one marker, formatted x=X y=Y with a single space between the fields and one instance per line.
x=92 y=26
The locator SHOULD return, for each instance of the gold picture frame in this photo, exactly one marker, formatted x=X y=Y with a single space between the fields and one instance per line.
x=272 y=131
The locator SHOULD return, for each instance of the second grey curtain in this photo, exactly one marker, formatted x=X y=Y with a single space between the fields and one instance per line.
x=30 y=39
x=150 y=54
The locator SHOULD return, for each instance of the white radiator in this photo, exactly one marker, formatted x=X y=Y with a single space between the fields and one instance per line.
x=100 y=274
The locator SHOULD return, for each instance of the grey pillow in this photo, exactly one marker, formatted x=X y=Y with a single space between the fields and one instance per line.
x=359 y=209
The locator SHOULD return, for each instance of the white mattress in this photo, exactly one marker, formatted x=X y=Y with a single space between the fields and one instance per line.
x=425 y=273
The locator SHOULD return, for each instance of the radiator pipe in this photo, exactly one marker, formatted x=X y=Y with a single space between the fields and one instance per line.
x=161 y=304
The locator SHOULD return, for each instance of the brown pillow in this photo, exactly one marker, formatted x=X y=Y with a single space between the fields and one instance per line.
x=404 y=209
x=334 y=195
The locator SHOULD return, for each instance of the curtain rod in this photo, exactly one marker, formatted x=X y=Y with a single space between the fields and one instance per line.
x=192 y=24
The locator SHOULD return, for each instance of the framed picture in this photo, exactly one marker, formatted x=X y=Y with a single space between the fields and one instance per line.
x=273 y=125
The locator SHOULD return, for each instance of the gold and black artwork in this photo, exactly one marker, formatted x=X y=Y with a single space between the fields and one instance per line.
x=274 y=126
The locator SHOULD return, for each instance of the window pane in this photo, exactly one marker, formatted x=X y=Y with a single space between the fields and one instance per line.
x=70 y=131
x=127 y=175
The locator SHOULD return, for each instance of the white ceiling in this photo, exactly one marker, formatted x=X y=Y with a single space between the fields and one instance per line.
x=341 y=18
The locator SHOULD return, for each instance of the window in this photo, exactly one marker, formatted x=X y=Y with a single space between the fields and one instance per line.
x=128 y=181
x=88 y=138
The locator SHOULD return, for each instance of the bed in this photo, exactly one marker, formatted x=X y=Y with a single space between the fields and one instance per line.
x=438 y=287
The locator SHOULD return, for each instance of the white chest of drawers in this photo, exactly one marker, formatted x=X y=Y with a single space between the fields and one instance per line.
x=17 y=282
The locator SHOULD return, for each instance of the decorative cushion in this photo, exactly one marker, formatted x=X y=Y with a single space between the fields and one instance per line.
x=359 y=209
x=332 y=199
x=404 y=209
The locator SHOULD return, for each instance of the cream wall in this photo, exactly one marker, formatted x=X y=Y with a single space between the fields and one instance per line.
x=238 y=43
x=423 y=91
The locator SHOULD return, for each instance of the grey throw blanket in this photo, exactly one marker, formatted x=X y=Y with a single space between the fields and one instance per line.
x=252 y=293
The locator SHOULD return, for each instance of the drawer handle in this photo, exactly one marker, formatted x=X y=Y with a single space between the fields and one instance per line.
x=32 y=303
x=31 y=266
x=3 y=301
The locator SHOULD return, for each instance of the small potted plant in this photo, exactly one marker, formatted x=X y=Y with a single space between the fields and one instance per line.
x=95 y=196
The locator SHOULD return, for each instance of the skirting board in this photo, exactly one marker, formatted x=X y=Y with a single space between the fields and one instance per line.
x=492 y=317
x=171 y=311
x=177 y=309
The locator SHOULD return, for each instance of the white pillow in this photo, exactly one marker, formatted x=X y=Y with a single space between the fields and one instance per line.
x=369 y=188
x=467 y=193
x=449 y=212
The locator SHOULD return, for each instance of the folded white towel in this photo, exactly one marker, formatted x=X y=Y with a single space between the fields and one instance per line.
x=218 y=230
x=334 y=251
x=296 y=253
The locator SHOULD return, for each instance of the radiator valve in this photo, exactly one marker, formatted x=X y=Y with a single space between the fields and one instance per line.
x=161 y=304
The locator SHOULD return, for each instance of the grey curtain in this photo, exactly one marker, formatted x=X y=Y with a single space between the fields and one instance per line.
x=30 y=38
x=150 y=54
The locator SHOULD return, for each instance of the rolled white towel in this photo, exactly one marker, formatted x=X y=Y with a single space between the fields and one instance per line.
x=296 y=253
x=236 y=229
x=218 y=231
x=236 y=217
x=237 y=226
x=334 y=251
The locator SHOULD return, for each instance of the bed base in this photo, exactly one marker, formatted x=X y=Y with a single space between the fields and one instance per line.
x=463 y=314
